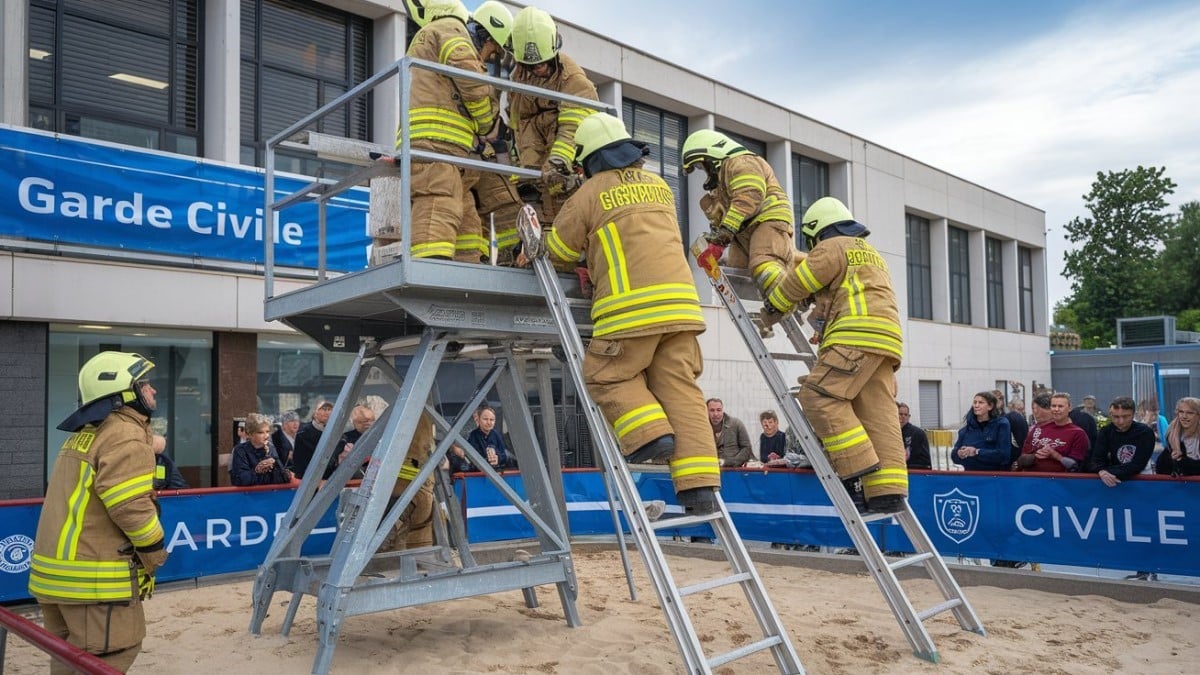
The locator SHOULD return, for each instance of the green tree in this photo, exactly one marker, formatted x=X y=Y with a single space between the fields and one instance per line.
x=1180 y=260
x=1113 y=269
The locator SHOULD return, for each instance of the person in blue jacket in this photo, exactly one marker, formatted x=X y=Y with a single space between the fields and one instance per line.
x=984 y=443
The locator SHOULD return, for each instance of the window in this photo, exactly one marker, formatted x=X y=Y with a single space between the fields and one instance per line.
x=810 y=182
x=124 y=71
x=664 y=132
x=960 y=276
x=995 y=283
x=182 y=376
x=296 y=57
x=1025 y=267
x=929 y=398
x=920 y=267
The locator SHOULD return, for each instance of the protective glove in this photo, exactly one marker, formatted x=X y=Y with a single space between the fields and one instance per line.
x=152 y=560
x=721 y=236
x=712 y=208
x=710 y=259
x=146 y=586
x=559 y=178
x=768 y=317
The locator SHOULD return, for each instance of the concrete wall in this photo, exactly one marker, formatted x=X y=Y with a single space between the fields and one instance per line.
x=23 y=399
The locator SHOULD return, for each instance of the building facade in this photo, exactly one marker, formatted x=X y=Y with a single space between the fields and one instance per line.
x=133 y=179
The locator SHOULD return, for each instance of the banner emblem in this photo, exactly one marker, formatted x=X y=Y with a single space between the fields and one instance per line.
x=957 y=514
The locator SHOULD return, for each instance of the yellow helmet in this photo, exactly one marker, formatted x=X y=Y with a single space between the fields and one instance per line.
x=711 y=145
x=823 y=213
x=535 y=38
x=496 y=20
x=424 y=11
x=109 y=373
x=598 y=131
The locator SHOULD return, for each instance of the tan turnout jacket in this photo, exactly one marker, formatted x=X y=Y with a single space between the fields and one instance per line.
x=542 y=127
x=446 y=114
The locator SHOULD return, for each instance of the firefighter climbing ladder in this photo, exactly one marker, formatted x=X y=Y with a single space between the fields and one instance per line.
x=670 y=596
x=883 y=570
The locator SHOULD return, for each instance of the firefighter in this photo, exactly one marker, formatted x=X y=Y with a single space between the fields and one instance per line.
x=414 y=529
x=745 y=205
x=489 y=195
x=99 y=538
x=643 y=360
x=544 y=130
x=446 y=116
x=849 y=397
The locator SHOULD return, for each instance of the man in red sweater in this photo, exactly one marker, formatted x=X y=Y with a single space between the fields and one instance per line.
x=1057 y=445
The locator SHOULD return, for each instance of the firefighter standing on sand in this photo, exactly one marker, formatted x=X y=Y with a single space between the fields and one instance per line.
x=99 y=538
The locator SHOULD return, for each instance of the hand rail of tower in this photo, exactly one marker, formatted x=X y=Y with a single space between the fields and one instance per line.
x=322 y=190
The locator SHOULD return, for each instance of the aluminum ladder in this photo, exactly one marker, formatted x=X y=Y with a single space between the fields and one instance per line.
x=671 y=597
x=912 y=621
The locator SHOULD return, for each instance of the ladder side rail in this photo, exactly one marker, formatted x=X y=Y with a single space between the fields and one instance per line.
x=652 y=556
x=456 y=523
x=349 y=561
x=551 y=450
x=940 y=573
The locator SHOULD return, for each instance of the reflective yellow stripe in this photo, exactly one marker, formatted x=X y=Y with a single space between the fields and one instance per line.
x=695 y=466
x=779 y=300
x=509 y=238
x=481 y=112
x=856 y=301
x=573 y=115
x=433 y=248
x=409 y=472
x=450 y=45
x=440 y=124
x=614 y=255
x=775 y=208
x=766 y=273
x=748 y=180
x=867 y=323
x=806 y=277
x=80 y=580
x=72 y=527
x=733 y=220
x=559 y=249
x=564 y=150
x=844 y=440
x=886 y=477
x=637 y=418
x=651 y=295
x=160 y=472
x=126 y=490
x=470 y=242
x=654 y=316
x=147 y=534
x=870 y=341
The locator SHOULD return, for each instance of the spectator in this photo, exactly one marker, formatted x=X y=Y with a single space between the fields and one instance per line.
x=361 y=420
x=985 y=441
x=1041 y=410
x=1056 y=445
x=772 y=443
x=308 y=437
x=733 y=441
x=1148 y=414
x=486 y=439
x=284 y=438
x=1181 y=454
x=1089 y=406
x=1085 y=421
x=1123 y=446
x=254 y=461
x=1018 y=406
x=916 y=443
x=457 y=457
x=1016 y=422
x=166 y=475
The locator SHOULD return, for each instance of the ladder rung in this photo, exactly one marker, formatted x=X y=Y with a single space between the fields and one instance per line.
x=939 y=608
x=714 y=583
x=910 y=560
x=792 y=356
x=873 y=517
x=744 y=651
x=684 y=521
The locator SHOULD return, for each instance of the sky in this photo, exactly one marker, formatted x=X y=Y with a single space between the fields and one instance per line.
x=1027 y=98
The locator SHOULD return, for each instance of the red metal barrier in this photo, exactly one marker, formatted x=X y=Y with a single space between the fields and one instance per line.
x=56 y=647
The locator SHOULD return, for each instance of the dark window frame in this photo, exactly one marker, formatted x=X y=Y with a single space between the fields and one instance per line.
x=354 y=121
x=919 y=262
x=657 y=140
x=994 y=265
x=1025 y=281
x=806 y=170
x=184 y=41
x=959 y=267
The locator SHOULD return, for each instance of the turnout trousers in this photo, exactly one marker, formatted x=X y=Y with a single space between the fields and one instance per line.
x=767 y=250
x=414 y=529
x=112 y=631
x=849 y=398
x=646 y=388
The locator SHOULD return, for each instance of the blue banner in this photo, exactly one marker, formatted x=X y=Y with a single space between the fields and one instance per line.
x=69 y=190
x=1144 y=524
x=206 y=532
